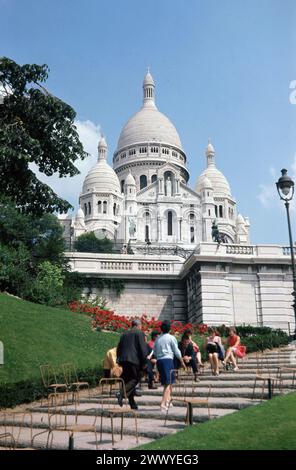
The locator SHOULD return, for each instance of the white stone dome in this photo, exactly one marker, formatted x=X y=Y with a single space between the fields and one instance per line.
x=80 y=214
x=101 y=178
x=240 y=219
x=220 y=184
x=149 y=125
x=130 y=180
x=206 y=183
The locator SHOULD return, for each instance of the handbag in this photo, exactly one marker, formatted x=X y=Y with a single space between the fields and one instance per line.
x=220 y=351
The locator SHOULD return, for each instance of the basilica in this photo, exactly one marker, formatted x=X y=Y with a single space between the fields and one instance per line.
x=167 y=252
x=146 y=199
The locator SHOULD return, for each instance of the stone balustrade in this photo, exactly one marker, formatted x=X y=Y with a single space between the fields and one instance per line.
x=128 y=266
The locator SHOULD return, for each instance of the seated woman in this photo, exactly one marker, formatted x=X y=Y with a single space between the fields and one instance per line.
x=189 y=333
x=188 y=354
x=212 y=349
x=235 y=349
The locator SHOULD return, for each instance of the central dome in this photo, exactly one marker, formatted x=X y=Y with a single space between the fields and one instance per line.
x=148 y=125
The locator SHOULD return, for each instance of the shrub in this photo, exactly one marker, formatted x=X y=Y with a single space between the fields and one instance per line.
x=48 y=286
x=26 y=391
x=89 y=243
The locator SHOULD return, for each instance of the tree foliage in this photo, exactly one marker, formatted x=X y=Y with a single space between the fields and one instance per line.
x=35 y=127
x=89 y=243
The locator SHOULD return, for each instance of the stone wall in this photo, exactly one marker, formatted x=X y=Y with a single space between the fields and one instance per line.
x=220 y=293
x=161 y=299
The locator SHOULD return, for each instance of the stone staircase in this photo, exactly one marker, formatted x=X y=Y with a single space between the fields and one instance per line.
x=230 y=391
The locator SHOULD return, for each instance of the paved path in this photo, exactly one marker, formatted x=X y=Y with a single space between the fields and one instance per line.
x=231 y=391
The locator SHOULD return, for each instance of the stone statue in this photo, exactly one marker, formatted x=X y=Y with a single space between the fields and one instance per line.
x=215 y=233
x=169 y=187
x=132 y=228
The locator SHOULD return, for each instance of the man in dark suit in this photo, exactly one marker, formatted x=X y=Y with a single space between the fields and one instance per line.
x=132 y=352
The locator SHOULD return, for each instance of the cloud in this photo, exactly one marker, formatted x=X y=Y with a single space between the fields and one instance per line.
x=268 y=195
x=69 y=188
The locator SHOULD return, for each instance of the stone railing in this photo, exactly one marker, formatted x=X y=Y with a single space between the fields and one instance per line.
x=239 y=250
x=129 y=266
x=287 y=251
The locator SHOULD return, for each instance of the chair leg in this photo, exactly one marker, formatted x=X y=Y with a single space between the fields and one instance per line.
x=121 y=428
x=112 y=429
x=263 y=388
x=255 y=383
x=136 y=423
x=101 y=431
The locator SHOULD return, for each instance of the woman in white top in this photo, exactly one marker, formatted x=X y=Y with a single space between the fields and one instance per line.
x=165 y=349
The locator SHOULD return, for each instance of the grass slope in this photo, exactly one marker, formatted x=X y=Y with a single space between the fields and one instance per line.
x=34 y=334
x=268 y=426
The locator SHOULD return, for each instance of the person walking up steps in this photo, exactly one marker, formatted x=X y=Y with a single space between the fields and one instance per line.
x=132 y=354
x=165 y=349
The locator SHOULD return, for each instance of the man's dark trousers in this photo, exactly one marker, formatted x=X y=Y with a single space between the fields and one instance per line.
x=131 y=377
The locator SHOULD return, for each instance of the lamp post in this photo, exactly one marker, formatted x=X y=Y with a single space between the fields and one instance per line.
x=285 y=188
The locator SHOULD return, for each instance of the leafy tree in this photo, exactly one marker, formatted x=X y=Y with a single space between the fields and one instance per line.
x=35 y=127
x=89 y=243
x=41 y=236
x=47 y=288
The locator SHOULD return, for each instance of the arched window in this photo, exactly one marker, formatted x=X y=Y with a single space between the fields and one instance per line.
x=122 y=186
x=105 y=207
x=153 y=178
x=147 y=233
x=143 y=181
x=85 y=209
x=99 y=207
x=216 y=211
x=89 y=208
x=220 y=211
x=114 y=208
x=170 y=223
x=192 y=237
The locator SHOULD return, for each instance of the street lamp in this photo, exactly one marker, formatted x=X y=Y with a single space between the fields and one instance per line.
x=285 y=187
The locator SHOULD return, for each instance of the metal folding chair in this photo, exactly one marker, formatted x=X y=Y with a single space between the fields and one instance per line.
x=108 y=408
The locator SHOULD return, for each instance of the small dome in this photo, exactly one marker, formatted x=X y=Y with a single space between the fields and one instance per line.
x=130 y=180
x=240 y=219
x=206 y=183
x=80 y=214
x=218 y=181
x=101 y=178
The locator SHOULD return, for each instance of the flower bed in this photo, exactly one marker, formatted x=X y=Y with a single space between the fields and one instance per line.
x=103 y=319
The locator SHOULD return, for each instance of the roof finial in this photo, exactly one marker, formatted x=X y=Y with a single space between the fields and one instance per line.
x=102 y=149
x=210 y=153
x=148 y=89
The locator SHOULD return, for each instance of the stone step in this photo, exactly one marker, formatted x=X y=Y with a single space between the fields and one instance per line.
x=82 y=440
x=155 y=429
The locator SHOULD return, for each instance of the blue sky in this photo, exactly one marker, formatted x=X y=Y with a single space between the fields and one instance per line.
x=222 y=70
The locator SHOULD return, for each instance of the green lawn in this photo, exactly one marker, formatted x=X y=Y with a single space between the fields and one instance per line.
x=270 y=425
x=34 y=334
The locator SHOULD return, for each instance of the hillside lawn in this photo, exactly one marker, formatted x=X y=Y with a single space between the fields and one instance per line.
x=268 y=426
x=34 y=334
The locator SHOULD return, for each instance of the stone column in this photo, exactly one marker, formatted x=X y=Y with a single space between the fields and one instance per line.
x=159 y=231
